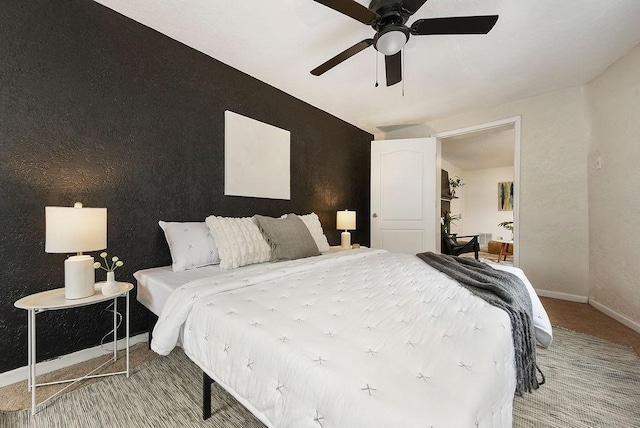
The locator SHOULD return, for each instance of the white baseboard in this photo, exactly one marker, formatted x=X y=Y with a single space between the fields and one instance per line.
x=22 y=373
x=616 y=316
x=563 y=296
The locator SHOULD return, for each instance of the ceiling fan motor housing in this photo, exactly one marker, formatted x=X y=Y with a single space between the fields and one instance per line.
x=391 y=32
x=389 y=12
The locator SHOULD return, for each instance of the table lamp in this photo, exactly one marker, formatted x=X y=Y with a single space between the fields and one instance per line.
x=346 y=220
x=74 y=230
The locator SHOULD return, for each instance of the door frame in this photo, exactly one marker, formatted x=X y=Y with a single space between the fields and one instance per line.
x=516 y=121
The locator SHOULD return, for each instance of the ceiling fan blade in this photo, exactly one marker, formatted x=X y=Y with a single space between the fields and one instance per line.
x=341 y=57
x=393 y=66
x=412 y=6
x=454 y=25
x=352 y=9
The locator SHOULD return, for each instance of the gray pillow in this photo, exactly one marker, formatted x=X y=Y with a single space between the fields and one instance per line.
x=288 y=237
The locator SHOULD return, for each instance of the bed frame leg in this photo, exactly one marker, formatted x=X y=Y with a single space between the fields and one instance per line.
x=206 y=396
x=152 y=319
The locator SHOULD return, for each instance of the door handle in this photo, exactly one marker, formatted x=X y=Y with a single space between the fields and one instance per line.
x=374 y=215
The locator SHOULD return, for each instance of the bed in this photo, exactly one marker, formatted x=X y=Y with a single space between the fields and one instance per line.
x=360 y=338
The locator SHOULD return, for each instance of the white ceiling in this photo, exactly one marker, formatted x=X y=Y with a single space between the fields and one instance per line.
x=537 y=46
x=491 y=148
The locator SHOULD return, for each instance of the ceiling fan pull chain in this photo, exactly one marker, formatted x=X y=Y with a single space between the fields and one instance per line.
x=376 y=59
x=402 y=71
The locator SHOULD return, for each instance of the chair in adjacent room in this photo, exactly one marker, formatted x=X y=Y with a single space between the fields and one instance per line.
x=451 y=246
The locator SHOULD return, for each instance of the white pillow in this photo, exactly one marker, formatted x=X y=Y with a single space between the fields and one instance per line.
x=239 y=241
x=190 y=244
x=315 y=228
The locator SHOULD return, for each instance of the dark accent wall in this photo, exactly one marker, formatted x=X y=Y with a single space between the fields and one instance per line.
x=97 y=108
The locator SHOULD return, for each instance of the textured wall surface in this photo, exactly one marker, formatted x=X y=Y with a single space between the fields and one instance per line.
x=97 y=108
x=554 y=229
x=614 y=202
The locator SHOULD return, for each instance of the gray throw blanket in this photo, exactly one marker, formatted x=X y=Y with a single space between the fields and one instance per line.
x=505 y=291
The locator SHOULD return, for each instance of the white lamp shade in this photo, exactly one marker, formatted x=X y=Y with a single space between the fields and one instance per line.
x=346 y=220
x=75 y=229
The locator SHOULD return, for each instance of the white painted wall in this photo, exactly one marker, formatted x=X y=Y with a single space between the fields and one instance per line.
x=554 y=228
x=614 y=198
x=481 y=202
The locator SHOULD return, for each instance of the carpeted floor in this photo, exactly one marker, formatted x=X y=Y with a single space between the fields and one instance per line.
x=17 y=397
x=587 y=319
x=590 y=383
x=164 y=392
x=574 y=316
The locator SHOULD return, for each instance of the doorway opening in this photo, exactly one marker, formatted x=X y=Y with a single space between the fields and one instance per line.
x=486 y=159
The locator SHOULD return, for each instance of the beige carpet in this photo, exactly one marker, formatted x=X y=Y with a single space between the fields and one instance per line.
x=587 y=319
x=17 y=397
x=590 y=383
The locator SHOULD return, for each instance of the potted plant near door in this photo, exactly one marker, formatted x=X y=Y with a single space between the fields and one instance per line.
x=446 y=221
x=454 y=184
x=507 y=225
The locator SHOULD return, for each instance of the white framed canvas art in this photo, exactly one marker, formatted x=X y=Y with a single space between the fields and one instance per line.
x=256 y=158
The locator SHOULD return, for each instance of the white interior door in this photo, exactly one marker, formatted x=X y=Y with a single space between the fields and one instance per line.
x=405 y=195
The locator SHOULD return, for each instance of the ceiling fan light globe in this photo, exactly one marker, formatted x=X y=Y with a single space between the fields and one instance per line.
x=391 y=42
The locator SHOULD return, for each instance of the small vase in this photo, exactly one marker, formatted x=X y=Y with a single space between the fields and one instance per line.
x=111 y=286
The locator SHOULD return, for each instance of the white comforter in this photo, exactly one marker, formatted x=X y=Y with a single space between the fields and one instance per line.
x=362 y=338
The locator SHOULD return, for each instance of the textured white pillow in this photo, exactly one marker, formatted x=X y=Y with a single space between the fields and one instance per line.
x=190 y=244
x=315 y=228
x=239 y=241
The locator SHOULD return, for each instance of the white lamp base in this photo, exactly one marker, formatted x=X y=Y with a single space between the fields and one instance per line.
x=345 y=240
x=79 y=277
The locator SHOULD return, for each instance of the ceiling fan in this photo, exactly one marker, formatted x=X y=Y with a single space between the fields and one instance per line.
x=388 y=18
